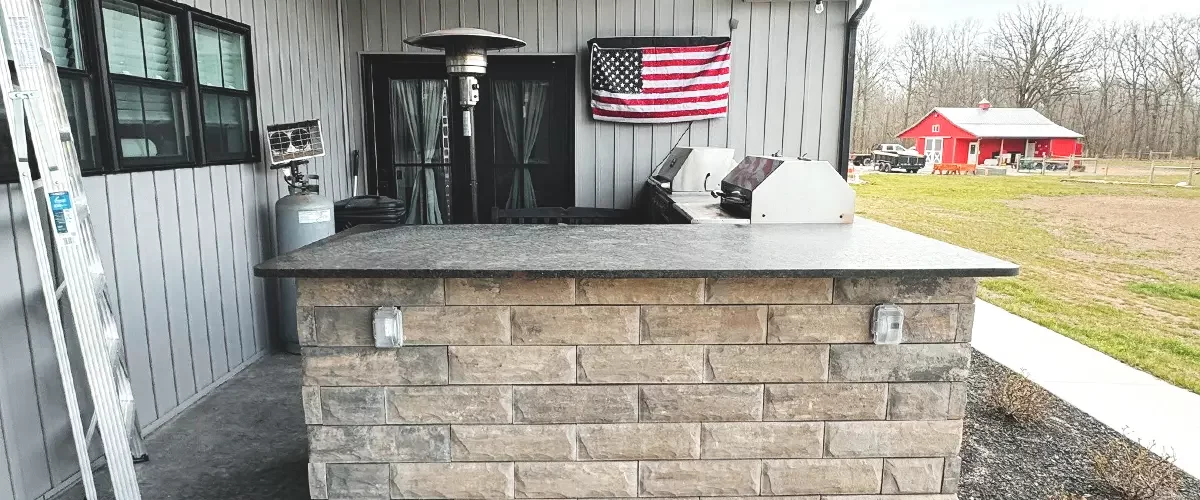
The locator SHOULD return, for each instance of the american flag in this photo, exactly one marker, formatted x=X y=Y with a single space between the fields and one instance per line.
x=667 y=84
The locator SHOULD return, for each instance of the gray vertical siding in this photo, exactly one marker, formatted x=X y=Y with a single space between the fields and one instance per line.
x=179 y=247
x=786 y=81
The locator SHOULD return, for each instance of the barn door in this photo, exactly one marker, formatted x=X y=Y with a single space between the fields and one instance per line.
x=933 y=150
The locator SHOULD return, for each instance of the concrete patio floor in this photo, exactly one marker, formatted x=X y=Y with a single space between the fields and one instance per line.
x=245 y=441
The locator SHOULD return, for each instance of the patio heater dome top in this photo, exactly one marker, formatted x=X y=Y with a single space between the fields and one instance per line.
x=452 y=37
x=466 y=48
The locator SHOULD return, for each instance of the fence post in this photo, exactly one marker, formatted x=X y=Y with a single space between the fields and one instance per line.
x=1151 y=173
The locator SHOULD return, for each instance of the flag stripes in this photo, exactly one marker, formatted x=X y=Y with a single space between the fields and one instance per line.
x=660 y=84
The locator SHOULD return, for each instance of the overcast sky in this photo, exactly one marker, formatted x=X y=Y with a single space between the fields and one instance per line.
x=895 y=15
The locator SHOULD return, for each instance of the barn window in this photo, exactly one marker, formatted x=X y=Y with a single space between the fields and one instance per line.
x=937 y=128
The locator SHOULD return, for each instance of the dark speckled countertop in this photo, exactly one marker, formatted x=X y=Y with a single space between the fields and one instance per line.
x=861 y=250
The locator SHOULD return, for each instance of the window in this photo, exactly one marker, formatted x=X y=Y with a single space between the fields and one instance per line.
x=224 y=93
x=148 y=93
x=138 y=96
x=63 y=24
x=937 y=128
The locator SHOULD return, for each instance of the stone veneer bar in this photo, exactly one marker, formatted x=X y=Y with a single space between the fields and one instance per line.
x=527 y=378
x=596 y=388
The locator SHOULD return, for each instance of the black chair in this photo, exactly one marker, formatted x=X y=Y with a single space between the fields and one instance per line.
x=559 y=215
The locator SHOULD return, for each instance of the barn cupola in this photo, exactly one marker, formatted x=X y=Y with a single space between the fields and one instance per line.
x=985 y=105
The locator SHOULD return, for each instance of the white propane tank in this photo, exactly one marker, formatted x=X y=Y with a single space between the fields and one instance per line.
x=301 y=218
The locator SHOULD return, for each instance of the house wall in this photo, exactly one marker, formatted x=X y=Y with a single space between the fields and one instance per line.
x=178 y=247
x=786 y=81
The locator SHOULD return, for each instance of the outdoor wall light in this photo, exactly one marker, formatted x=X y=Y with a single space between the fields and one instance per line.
x=820 y=7
x=466 y=58
x=887 y=328
x=388 y=326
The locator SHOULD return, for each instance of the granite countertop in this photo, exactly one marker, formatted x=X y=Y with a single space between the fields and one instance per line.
x=863 y=249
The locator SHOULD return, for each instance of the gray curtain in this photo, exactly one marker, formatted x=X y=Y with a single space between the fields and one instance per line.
x=418 y=108
x=522 y=105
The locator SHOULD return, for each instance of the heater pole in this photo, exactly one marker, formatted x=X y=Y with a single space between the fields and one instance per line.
x=466 y=58
x=468 y=98
x=468 y=132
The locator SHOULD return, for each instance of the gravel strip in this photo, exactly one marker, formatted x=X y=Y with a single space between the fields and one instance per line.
x=1006 y=460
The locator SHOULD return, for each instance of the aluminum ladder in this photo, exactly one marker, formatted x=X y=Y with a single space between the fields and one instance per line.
x=36 y=101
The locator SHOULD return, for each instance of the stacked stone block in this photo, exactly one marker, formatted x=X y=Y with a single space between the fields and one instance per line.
x=625 y=388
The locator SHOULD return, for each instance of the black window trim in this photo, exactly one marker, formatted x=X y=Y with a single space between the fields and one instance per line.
x=199 y=90
x=186 y=18
x=100 y=83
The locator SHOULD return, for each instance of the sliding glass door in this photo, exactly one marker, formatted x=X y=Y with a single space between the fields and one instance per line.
x=412 y=146
x=524 y=136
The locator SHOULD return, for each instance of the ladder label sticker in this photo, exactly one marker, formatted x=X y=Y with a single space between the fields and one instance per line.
x=64 y=214
x=24 y=42
x=315 y=216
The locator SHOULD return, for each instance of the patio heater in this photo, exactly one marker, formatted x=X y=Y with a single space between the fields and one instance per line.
x=466 y=58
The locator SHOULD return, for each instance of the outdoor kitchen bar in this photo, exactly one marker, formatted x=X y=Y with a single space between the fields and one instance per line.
x=688 y=360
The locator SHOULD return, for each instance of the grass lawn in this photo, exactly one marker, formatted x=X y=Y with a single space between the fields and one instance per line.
x=1114 y=267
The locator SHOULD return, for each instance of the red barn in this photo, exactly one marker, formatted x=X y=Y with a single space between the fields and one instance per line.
x=972 y=135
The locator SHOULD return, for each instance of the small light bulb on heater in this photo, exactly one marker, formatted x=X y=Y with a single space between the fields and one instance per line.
x=820 y=7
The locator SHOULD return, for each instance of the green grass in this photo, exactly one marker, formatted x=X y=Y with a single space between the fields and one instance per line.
x=1177 y=291
x=1073 y=280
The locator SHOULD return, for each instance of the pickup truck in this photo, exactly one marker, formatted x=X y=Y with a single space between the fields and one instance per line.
x=888 y=157
x=887 y=150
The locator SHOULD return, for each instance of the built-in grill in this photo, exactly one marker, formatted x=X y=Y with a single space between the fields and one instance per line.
x=693 y=169
x=760 y=189
x=687 y=172
x=769 y=189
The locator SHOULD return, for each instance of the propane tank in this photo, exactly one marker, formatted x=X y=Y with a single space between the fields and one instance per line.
x=301 y=218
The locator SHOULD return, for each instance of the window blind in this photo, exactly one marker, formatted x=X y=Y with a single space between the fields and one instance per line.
x=220 y=58
x=62 y=26
x=135 y=103
x=233 y=60
x=208 y=56
x=158 y=39
x=123 y=33
x=141 y=41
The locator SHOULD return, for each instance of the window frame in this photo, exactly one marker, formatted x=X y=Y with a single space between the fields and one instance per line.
x=186 y=19
x=253 y=142
x=101 y=82
x=179 y=14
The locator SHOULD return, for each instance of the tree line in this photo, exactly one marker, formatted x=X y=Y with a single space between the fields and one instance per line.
x=1129 y=86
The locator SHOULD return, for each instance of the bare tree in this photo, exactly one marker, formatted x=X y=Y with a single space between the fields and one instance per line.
x=1039 y=53
x=1138 y=90
x=1177 y=60
x=870 y=68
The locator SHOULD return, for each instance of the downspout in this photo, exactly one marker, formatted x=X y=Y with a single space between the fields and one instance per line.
x=843 y=161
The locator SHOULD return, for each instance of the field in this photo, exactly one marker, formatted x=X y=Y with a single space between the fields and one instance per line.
x=1160 y=171
x=1115 y=267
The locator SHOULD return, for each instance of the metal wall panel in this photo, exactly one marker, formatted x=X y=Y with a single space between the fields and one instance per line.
x=786 y=85
x=179 y=247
